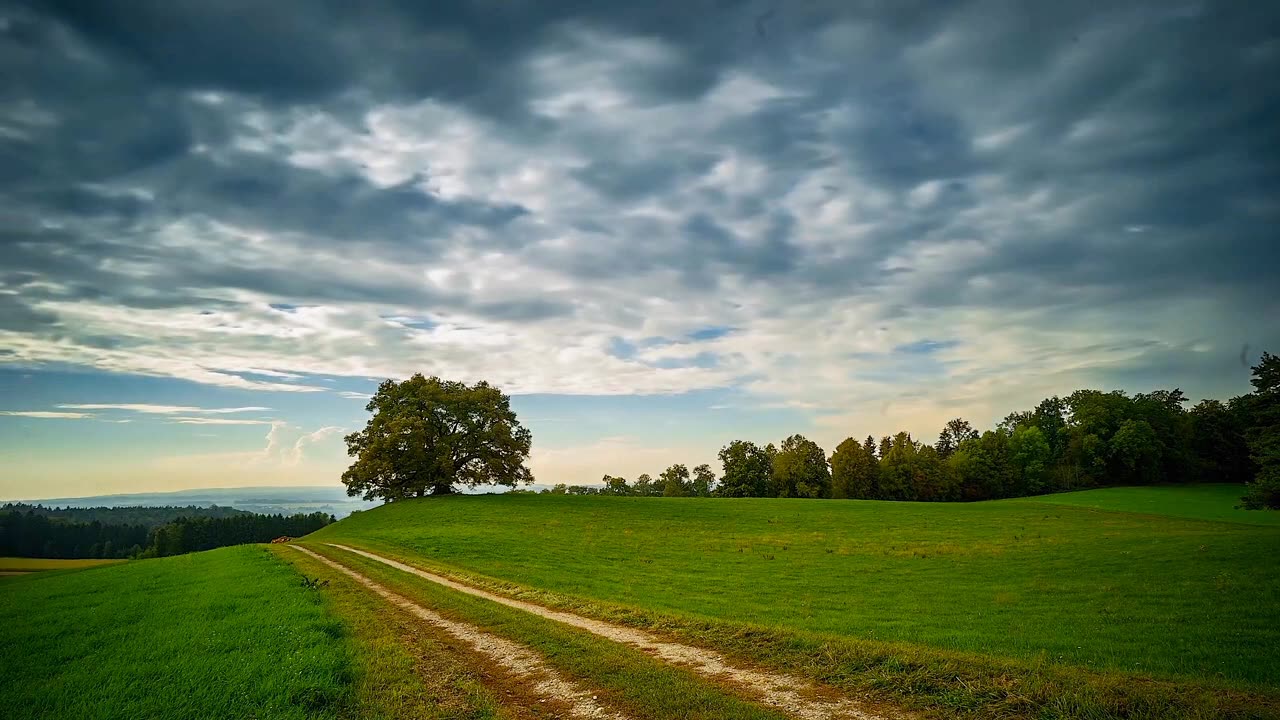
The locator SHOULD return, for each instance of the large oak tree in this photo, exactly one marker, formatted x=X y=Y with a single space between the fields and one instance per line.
x=429 y=435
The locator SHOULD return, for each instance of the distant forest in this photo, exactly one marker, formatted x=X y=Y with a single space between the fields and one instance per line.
x=148 y=516
x=130 y=532
x=1087 y=439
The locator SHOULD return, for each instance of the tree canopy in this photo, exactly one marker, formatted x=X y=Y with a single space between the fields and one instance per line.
x=854 y=470
x=800 y=469
x=675 y=481
x=1264 y=434
x=747 y=469
x=703 y=481
x=429 y=435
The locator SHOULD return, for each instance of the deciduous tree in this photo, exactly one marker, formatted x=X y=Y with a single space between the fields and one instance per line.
x=800 y=469
x=953 y=433
x=1030 y=454
x=675 y=481
x=1135 y=449
x=896 y=467
x=644 y=486
x=704 y=481
x=853 y=470
x=614 y=486
x=746 y=469
x=429 y=435
x=1218 y=445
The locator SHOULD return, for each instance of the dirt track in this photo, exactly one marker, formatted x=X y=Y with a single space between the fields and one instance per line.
x=793 y=695
x=515 y=659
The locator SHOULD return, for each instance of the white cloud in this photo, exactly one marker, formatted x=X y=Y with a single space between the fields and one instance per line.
x=219 y=421
x=160 y=409
x=287 y=455
x=45 y=414
x=295 y=454
x=897 y=235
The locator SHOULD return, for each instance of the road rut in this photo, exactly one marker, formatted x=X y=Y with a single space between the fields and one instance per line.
x=793 y=695
x=515 y=659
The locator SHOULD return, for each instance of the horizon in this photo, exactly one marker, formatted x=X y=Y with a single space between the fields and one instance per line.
x=658 y=232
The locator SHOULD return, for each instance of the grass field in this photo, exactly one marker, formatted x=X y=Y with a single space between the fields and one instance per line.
x=1135 y=604
x=229 y=633
x=401 y=669
x=19 y=566
x=626 y=678
x=1169 y=597
x=1196 y=502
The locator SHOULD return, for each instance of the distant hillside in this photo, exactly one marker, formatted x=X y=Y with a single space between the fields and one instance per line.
x=266 y=500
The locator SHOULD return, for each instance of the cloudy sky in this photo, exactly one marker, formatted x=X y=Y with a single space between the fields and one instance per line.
x=659 y=226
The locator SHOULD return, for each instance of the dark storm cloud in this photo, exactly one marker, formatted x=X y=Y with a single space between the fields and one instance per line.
x=1064 y=156
x=256 y=190
x=632 y=180
x=297 y=51
x=1152 y=117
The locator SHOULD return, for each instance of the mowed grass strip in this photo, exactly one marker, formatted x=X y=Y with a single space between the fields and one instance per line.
x=1023 y=581
x=229 y=633
x=626 y=678
x=402 y=670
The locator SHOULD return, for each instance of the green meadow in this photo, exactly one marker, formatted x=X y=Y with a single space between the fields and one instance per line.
x=1195 y=502
x=22 y=566
x=625 y=677
x=1136 y=603
x=229 y=633
x=1139 y=588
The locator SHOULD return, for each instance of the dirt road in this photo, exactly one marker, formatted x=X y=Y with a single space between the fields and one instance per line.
x=793 y=695
x=517 y=660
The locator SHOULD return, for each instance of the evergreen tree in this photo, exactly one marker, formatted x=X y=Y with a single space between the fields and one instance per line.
x=1264 y=434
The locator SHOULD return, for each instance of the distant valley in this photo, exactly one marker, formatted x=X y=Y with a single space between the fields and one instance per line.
x=269 y=500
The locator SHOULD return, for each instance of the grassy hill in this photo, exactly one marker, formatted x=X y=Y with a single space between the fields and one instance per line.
x=229 y=633
x=1196 y=502
x=1031 y=581
x=1142 y=604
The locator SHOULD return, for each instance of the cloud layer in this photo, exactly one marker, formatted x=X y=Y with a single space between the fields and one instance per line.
x=845 y=207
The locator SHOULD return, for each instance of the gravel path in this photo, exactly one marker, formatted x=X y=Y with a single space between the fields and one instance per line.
x=518 y=660
x=793 y=695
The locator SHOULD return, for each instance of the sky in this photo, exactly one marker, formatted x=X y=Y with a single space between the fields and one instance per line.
x=658 y=226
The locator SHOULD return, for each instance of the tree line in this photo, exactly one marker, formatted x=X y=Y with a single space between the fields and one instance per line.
x=147 y=515
x=430 y=436
x=206 y=533
x=1087 y=439
x=36 y=532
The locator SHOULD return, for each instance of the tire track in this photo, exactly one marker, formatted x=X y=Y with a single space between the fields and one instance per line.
x=518 y=660
x=793 y=695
